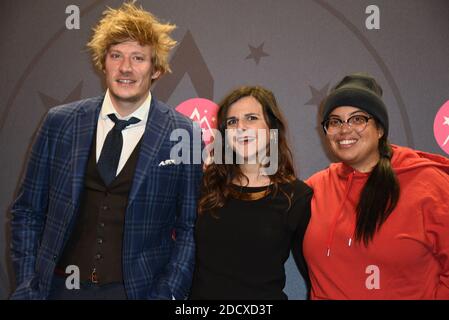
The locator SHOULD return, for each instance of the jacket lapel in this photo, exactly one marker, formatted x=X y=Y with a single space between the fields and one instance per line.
x=85 y=124
x=156 y=130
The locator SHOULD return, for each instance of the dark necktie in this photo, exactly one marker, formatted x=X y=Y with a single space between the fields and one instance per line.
x=112 y=149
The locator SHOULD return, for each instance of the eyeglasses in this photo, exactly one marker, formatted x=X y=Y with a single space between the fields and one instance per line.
x=357 y=122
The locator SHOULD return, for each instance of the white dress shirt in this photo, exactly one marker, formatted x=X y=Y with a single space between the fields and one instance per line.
x=131 y=134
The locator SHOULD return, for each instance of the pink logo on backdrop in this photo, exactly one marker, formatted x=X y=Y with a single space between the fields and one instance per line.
x=202 y=111
x=441 y=127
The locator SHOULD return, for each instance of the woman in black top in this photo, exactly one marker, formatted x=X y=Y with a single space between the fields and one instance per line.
x=253 y=210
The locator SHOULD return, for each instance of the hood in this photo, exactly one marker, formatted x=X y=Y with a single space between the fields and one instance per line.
x=406 y=159
x=403 y=161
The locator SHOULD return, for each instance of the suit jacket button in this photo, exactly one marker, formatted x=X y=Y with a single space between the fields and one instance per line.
x=55 y=257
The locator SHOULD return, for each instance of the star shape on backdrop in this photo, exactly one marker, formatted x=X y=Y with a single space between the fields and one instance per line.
x=446 y=121
x=257 y=53
x=317 y=95
x=50 y=102
x=446 y=141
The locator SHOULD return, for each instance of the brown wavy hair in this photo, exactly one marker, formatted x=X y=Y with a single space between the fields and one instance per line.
x=379 y=197
x=218 y=176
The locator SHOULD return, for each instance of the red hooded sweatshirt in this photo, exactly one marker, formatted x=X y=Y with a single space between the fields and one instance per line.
x=408 y=257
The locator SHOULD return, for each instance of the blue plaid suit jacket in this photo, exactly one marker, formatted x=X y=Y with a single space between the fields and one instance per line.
x=162 y=199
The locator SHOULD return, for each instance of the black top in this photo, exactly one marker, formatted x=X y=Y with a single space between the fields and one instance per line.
x=241 y=250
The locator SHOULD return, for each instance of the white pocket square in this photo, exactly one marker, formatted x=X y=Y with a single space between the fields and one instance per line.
x=166 y=162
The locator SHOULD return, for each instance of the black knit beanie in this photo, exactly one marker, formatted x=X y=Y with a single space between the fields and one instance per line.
x=358 y=90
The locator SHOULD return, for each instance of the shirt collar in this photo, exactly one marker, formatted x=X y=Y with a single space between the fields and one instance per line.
x=141 y=112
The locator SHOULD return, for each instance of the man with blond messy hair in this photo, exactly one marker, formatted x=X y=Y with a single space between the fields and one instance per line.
x=98 y=214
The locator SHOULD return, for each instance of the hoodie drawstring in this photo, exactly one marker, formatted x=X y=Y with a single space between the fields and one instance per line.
x=352 y=231
x=337 y=215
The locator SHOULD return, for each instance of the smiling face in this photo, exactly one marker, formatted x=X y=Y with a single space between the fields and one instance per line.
x=244 y=120
x=129 y=73
x=356 y=149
